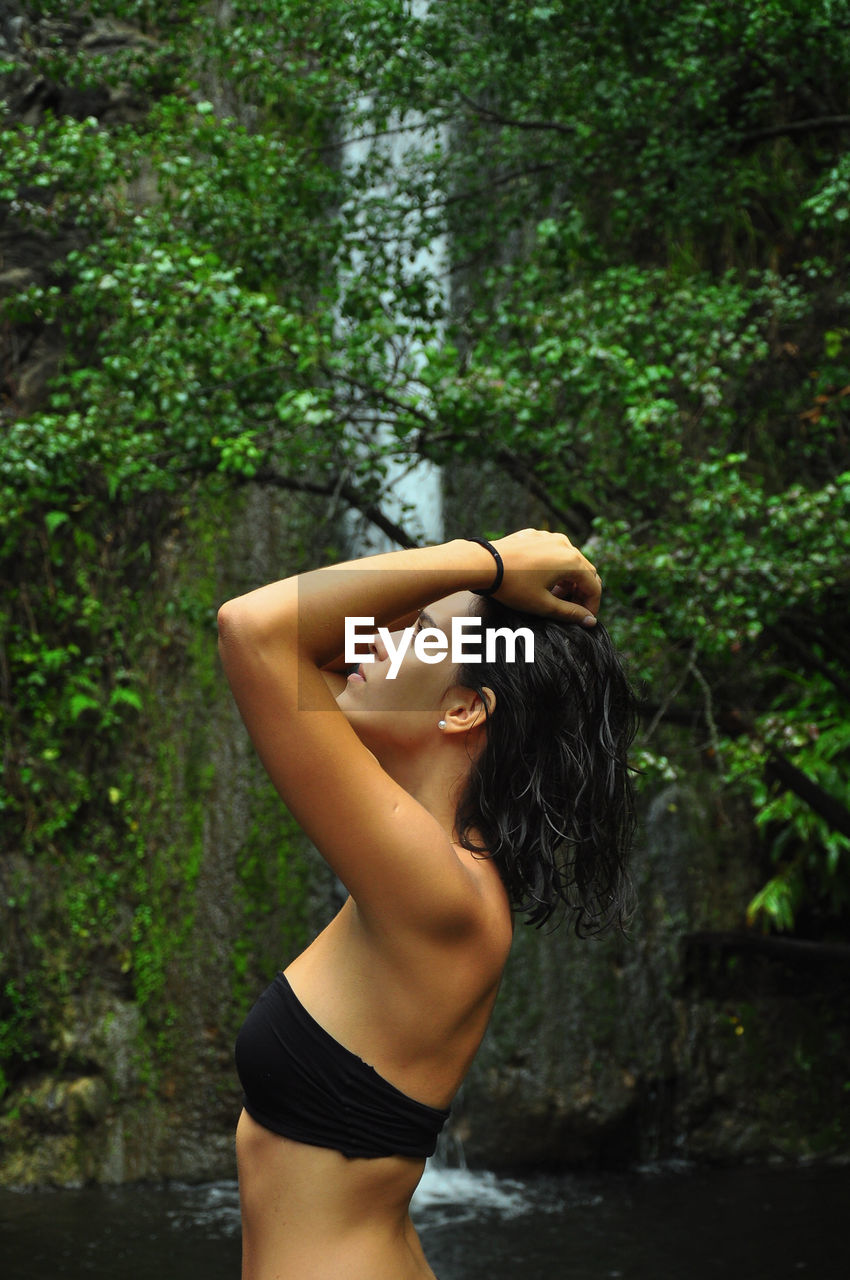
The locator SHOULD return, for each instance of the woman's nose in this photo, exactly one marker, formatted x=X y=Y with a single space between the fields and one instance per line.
x=377 y=646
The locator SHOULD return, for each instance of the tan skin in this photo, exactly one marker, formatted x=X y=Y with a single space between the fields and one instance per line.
x=407 y=973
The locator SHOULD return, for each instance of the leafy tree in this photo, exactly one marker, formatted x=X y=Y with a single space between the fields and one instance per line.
x=637 y=311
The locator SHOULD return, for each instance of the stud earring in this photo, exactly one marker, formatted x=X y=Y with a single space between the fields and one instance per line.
x=441 y=724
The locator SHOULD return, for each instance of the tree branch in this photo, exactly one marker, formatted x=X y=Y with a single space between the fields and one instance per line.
x=819 y=800
x=708 y=707
x=380 y=394
x=777 y=765
x=340 y=143
x=494 y=182
x=576 y=522
x=782 y=948
x=553 y=126
x=338 y=489
x=795 y=126
x=661 y=712
x=810 y=660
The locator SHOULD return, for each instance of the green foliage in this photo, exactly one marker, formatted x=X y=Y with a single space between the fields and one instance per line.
x=18 y=1007
x=272 y=887
x=599 y=247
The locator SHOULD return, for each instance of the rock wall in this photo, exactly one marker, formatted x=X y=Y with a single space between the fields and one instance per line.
x=688 y=1039
x=132 y=1075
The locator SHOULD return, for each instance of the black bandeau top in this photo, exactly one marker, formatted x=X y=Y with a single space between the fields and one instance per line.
x=302 y=1083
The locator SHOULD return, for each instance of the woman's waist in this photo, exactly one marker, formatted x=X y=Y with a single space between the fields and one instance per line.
x=310 y=1246
x=362 y=1254
x=319 y=1184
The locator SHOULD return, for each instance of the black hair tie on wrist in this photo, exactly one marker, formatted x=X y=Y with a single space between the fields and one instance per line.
x=500 y=568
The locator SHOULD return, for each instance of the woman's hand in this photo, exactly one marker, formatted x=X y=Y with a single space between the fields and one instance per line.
x=545 y=574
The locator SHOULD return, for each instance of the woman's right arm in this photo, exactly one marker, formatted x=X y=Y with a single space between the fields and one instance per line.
x=386 y=587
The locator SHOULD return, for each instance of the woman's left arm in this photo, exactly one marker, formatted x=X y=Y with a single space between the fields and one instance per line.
x=390 y=853
x=387 y=849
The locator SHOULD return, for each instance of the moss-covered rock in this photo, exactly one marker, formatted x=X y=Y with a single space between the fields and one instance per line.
x=617 y=1050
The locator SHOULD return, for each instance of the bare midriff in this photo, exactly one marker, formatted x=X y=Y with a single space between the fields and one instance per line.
x=416 y=1014
x=309 y=1213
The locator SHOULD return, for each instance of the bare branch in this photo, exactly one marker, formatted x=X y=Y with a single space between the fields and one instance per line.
x=343 y=141
x=820 y=801
x=501 y=181
x=380 y=394
x=811 y=661
x=553 y=126
x=660 y=712
x=335 y=490
x=783 y=948
x=796 y=126
x=708 y=708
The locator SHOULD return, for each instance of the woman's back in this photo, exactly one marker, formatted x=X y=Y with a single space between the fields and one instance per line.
x=416 y=1013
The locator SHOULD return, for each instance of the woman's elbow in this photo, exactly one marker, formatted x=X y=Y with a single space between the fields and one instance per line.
x=250 y=624
x=237 y=630
x=226 y=616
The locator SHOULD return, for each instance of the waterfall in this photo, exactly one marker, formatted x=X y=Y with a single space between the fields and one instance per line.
x=412 y=492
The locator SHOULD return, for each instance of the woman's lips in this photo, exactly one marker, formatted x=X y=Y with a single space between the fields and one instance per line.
x=357 y=676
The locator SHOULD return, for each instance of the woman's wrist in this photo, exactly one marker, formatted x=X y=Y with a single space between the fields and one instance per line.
x=473 y=565
x=461 y=564
x=499 y=567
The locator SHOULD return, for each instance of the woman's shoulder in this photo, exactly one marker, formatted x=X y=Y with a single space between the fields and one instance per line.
x=492 y=915
x=472 y=940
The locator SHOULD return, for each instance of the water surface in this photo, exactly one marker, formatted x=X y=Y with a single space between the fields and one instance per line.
x=672 y=1224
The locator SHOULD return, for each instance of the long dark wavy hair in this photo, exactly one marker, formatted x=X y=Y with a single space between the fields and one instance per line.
x=550 y=796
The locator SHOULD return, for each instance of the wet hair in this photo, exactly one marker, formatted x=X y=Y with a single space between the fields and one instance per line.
x=550 y=797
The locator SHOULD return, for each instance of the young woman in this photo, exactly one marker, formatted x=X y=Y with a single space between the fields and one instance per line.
x=445 y=795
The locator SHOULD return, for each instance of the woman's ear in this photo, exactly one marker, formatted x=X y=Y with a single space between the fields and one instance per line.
x=464 y=709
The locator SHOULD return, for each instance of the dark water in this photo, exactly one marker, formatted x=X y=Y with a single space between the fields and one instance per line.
x=742 y=1224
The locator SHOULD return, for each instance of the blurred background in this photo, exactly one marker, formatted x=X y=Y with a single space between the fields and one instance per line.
x=284 y=282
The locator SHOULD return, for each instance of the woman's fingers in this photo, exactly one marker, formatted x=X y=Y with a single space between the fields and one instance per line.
x=546 y=574
x=581 y=595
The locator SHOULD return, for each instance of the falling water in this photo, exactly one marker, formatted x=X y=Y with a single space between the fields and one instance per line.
x=412 y=492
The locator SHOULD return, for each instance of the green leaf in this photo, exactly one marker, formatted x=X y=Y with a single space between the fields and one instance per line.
x=80 y=703
x=53 y=519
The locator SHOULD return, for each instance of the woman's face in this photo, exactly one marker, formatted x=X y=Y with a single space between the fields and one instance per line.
x=398 y=694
